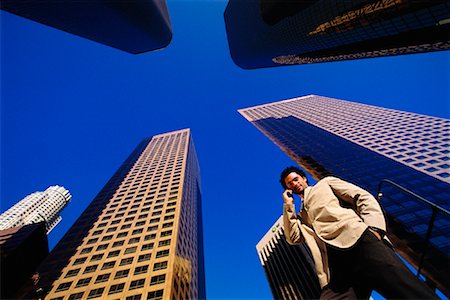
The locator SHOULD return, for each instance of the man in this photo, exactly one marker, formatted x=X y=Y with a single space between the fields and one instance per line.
x=344 y=227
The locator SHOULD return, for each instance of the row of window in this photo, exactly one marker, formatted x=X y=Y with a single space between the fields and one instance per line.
x=153 y=295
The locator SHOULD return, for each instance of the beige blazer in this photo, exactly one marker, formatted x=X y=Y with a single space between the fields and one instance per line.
x=333 y=212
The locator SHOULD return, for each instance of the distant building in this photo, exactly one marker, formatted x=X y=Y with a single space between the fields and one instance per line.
x=289 y=269
x=366 y=144
x=22 y=249
x=267 y=33
x=134 y=26
x=142 y=235
x=37 y=207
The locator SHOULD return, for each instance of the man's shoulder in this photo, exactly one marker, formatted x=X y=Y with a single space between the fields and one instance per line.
x=328 y=179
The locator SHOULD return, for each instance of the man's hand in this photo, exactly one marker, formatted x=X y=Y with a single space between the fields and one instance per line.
x=288 y=199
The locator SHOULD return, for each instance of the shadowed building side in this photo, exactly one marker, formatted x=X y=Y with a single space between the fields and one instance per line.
x=135 y=26
x=266 y=33
x=289 y=268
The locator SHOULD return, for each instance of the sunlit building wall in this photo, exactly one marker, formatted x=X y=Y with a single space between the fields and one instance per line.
x=37 y=207
x=141 y=237
x=365 y=144
x=289 y=269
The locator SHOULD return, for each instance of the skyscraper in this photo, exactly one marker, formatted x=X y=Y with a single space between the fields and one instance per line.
x=141 y=237
x=37 y=207
x=267 y=33
x=134 y=26
x=366 y=144
x=289 y=269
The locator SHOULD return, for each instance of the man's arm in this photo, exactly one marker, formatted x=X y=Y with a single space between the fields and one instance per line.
x=367 y=207
x=292 y=225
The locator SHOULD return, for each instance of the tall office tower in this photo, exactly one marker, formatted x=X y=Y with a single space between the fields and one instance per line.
x=134 y=26
x=267 y=33
x=40 y=206
x=141 y=237
x=289 y=269
x=365 y=144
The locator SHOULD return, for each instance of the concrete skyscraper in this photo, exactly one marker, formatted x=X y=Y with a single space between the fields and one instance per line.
x=288 y=268
x=141 y=237
x=366 y=144
x=37 y=207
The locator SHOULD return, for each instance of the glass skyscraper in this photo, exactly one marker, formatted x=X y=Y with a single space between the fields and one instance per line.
x=37 y=207
x=141 y=237
x=366 y=144
x=267 y=33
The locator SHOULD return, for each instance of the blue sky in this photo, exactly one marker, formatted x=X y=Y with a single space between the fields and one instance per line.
x=72 y=110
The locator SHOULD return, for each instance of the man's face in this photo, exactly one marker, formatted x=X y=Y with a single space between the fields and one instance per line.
x=296 y=183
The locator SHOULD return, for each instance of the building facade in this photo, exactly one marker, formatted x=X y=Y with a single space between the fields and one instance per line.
x=266 y=33
x=141 y=237
x=37 y=207
x=22 y=249
x=134 y=26
x=366 y=144
x=289 y=269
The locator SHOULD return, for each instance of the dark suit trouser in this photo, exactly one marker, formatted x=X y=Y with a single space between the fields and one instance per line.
x=371 y=265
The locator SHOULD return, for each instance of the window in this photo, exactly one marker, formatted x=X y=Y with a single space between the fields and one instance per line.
x=134 y=240
x=76 y=296
x=79 y=261
x=144 y=257
x=126 y=261
x=97 y=257
x=122 y=274
x=83 y=282
x=102 y=278
x=160 y=266
x=166 y=233
x=92 y=241
x=151 y=228
x=116 y=288
x=111 y=229
x=90 y=269
x=102 y=247
x=63 y=286
x=141 y=270
x=122 y=234
x=135 y=284
x=107 y=238
x=96 y=293
x=118 y=244
x=164 y=243
x=158 y=279
x=113 y=253
x=155 y=295
x=86 y=250
x=147 y=246
x=162 y=253
x=72 y=273
x=130 y=250
x=134 y=297
x=137 y=231
x=167 y=225
x=108 y=265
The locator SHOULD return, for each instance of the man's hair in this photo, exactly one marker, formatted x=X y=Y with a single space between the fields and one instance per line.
x=288 y=171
